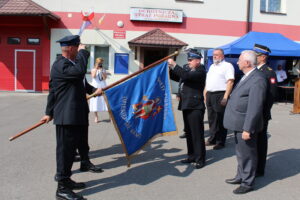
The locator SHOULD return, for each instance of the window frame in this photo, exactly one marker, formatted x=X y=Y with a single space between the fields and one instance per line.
x=91 y=48
x=33 y=43
x=267 y=10
x=20 y=41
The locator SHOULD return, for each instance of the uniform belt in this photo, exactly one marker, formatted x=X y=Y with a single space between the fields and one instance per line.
x=216 y=92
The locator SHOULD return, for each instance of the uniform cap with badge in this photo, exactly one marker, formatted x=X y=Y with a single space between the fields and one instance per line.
x=261 y=49
x=193 y=54
x=70 y=40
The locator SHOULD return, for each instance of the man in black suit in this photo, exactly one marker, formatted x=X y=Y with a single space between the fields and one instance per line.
x=262 y=140
x=67 y=105
x=185 y=67
x=192 y=105
x=244 y=115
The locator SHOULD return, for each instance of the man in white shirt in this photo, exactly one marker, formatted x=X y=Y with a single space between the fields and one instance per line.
x=281 y=75
x=219 y=82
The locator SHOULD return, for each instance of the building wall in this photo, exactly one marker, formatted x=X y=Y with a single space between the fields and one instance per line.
x=206 y=24
x=23 y=27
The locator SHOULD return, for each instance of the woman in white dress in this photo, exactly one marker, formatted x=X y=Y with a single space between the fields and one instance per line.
x=97 y=104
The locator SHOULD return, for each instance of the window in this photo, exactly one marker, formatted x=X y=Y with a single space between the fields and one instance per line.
x=98 y=51
x=203 y=51
x=273 y=6
x=33 y=41
x=13 y=40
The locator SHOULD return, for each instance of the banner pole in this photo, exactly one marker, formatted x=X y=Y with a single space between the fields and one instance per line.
x=135 y=73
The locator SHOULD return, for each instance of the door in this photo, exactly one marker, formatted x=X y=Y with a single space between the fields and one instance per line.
x=24 y=70
x=152 y=55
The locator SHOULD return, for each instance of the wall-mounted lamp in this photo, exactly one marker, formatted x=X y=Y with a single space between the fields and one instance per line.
x=120 y=24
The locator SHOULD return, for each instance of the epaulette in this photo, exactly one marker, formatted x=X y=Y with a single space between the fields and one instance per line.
x=269 y=68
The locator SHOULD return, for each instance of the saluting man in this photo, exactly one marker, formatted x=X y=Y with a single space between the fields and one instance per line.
x=192 y=105
x=67 y=105
x=262 y=53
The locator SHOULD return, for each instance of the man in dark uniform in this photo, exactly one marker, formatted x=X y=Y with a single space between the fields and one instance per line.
x=262 y=53
x=185 y=67
x=192 y=105
x=178 y=97
x=68 y=106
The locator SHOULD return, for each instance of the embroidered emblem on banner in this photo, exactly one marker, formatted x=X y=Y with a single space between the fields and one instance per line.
x=147 y=108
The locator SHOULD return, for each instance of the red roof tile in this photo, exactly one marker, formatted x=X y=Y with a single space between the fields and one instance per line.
x=24 y=7
x=157 y=38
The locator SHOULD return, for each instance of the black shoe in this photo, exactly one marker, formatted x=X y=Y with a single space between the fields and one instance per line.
x=88 y=166
x=187 y=161
x=199 y=165
x=183 y=136
x=233 y=181
x=242 y=190
x=69 y=183
x=218 y=146
x=63 y=193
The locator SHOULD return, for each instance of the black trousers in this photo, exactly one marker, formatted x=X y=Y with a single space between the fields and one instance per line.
x=215 y=113
x=262 y=148
x=195 y=134
x=246 y=154
x=68 y=139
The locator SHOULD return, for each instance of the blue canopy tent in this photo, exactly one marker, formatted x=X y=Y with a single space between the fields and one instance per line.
x=279 y=44
x=282 y=48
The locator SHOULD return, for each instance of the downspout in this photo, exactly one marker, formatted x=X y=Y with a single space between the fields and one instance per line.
x=248 y=16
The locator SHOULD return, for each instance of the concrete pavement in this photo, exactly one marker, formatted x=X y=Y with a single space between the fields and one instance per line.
x=28 y=163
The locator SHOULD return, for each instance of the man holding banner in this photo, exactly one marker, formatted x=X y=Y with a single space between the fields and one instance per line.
x=193 y=107
x=68 y=106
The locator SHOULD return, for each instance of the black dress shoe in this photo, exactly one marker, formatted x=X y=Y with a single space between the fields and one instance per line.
x=88 y=166
x=199 y=165
x=242 y=190
x=233 y=181
x=69 y=183
x=218 y=146
x=187 y=161
x=183 y=136
x=63 y=193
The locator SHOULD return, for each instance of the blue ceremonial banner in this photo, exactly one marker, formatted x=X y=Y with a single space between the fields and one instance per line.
x=141 y=108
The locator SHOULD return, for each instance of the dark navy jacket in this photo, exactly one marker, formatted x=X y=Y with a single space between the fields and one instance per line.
x=193 y=86
x=67 y=102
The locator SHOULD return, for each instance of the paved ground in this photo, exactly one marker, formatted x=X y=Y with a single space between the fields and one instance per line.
x=28 y=163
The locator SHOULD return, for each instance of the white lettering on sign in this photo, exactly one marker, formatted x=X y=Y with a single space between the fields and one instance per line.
x=154 y=14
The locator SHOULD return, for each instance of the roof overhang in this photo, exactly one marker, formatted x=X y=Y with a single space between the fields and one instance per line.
x=157 y=38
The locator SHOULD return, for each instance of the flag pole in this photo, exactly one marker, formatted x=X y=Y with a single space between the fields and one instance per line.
x=135 y=73
x=103 y=89
x=27 y=130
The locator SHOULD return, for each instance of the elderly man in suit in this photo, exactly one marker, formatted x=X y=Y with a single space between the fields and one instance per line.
x=244 y=115
x=68 y=106
x=192 y=105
